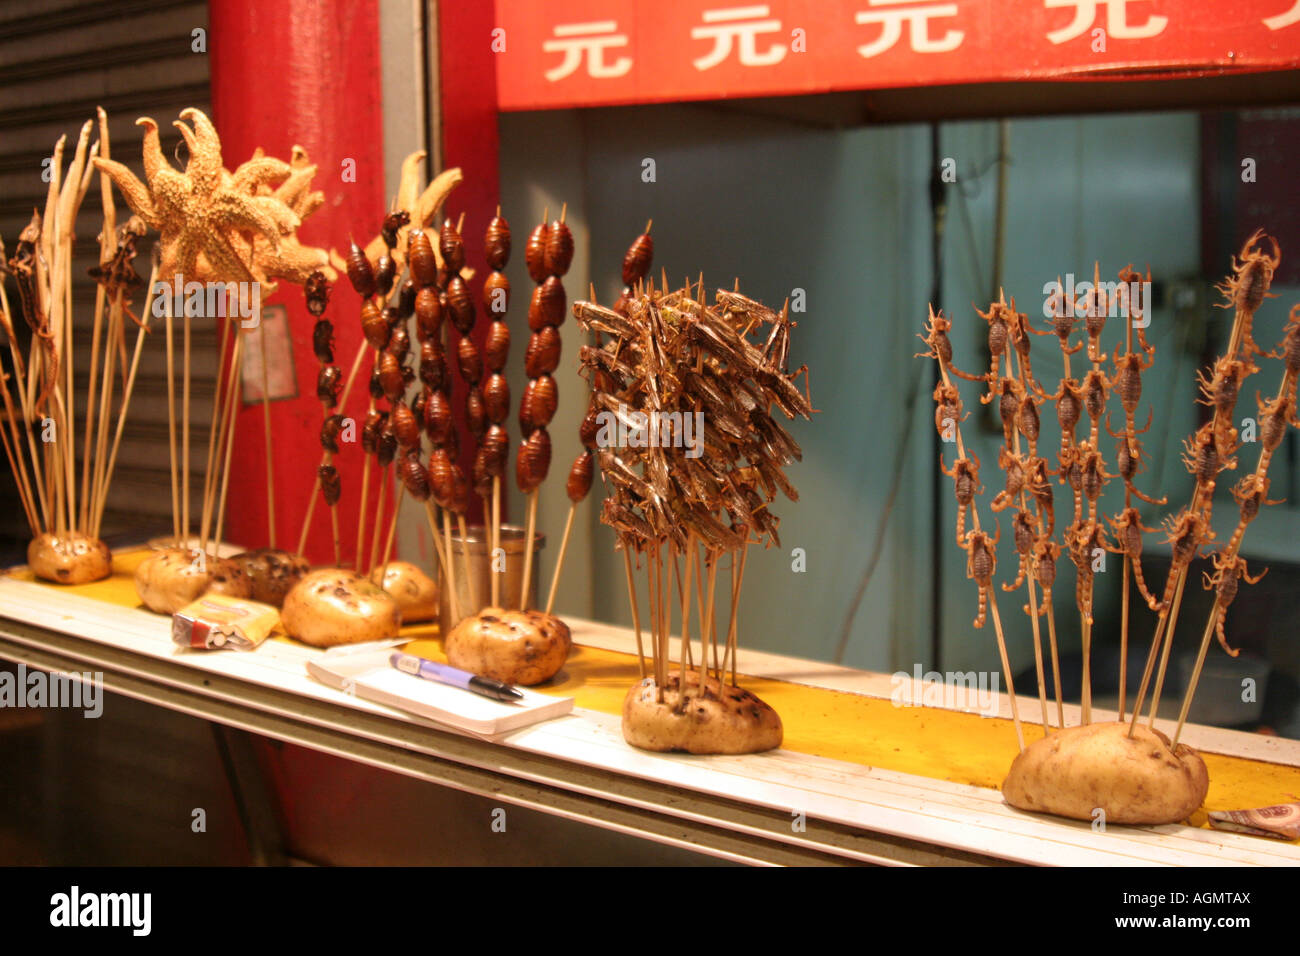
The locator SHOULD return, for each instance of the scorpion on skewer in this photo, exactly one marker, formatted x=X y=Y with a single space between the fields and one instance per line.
x=1230 y=571
x=965 y=475
x=1128 y=458
x=1246 y=290
x=1128 y=529
x=1024 y=528
x=940 y=347
x=981 y=563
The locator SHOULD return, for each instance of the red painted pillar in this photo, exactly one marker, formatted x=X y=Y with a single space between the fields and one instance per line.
x=467 y=76
x=302 y=72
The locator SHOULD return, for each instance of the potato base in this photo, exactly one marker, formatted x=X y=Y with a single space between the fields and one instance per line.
x=515 y=647
x=1138 y=780
x=169 y=579
x=69 y=558
x=722 y=720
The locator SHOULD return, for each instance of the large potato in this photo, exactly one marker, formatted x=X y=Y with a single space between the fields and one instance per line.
x=1073 y=772
x=413 y=590
x=69 y=558
x=272 y=573
x=169 y=579
x=722 y=720
x=515 y=647
x=333 y=606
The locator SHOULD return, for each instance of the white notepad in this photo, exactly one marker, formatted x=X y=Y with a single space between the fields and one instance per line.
x=371 y=677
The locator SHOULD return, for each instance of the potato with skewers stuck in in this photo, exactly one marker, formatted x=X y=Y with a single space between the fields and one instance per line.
x=674 y=353
x=1127 y=769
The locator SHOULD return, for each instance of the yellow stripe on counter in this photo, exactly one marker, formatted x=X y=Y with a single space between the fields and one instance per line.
x=927 y=742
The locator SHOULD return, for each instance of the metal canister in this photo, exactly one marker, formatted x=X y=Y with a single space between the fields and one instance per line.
x=475 y=592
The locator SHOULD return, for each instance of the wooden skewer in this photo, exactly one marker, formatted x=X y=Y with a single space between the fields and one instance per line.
x=528 y=549
x=1056 y=659
x=16 y=460
x=496 y=540
x=343 y=401
x=1123 y=629
x=117 y=436
x=469 y=571
x=444 y=560
x=686 y=620
x=1085 y=709
x=451 y=564
x=171 y=425
x=636 y=614
x=1196 y=674
x=559 y=561
x=711 y=559
x=185 y=429
x=382 y=494
x=221 y=408
x=1164 y=655
x=266 y=435
x=392 y=530
x=114 y=336
x=361 y=513
x=1006 y=668
x=338 y=544
x=227 y=451
x=656 y=635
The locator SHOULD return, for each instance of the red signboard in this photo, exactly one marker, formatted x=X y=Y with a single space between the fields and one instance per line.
x=565 y=53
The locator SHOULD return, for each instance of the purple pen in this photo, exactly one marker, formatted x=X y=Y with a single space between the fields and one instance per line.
x=445 y=674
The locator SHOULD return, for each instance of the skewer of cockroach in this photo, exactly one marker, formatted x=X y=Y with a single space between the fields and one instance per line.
x=636 y=266
x=980 y=547
x=329 y=385
x=548 y=254
x=41 y=266
x=1251 y=493
x=493 y=445
x=436 y=483
x=470 y=362
x=1210 y=451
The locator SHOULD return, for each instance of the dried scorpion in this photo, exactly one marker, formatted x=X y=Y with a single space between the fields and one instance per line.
x=1013 y=465
x=1024 y=530
x=981 y=563
x=1246 y=290
x=1230 y=571
x=1128 y=458
x=1128 y=529
x=936 y=337
x=1084 y=540
x=965 y=475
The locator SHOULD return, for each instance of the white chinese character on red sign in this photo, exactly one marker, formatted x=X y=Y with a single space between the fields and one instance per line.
x=576 y=40
x=1284 y=19
x=1117 y=25
x=743 y=24
x=918 y=17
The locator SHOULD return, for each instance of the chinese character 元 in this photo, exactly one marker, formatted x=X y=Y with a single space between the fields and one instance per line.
x=589 y=40
x=743 y=24
x=917 y=17
x=1117 y=25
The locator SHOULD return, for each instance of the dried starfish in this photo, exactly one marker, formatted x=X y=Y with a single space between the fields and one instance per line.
x=204 y=211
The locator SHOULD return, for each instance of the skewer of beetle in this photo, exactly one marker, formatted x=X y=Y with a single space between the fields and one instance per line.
x=1210 y=451
x=668 y=353
x=548 y=255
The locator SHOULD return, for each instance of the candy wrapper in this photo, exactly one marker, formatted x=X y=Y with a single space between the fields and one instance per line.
x=1281 y=822
x=215 y=621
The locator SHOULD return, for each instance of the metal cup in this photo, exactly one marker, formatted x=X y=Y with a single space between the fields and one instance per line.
x=473 y=550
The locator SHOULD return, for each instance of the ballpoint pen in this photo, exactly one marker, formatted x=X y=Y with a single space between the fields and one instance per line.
x=445 y=674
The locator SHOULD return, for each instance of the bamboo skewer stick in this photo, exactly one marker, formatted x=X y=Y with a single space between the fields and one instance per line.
x=559 y=560
x=217 y=431
x=227 y=452
x=444 y=559
x=89 y=427
x=1056 y=660
x=469 y=571
x=706 y=624
x=343 y=401
x=1123 y=634
x=361 y=514
x=117 y=436
x=636 y=614
x=392 y=530
x=382 y=494
x=266 y=436
x=496 y=540
x=114 y=335
x=171 y=424
x=528 y=549
x=185 y=430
